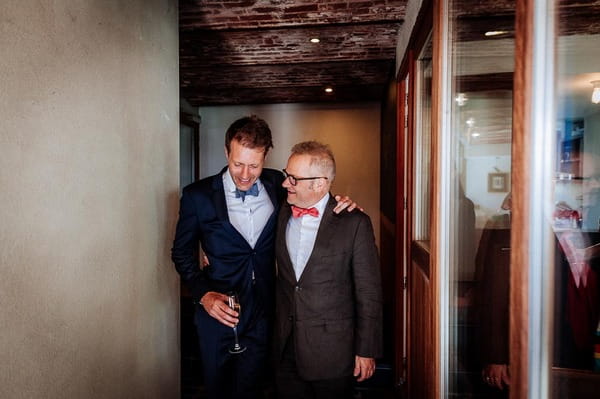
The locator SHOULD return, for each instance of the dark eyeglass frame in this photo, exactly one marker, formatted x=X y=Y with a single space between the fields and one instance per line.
x=294 y=180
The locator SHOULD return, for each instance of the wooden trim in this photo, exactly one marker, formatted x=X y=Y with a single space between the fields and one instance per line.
x=400 y=327
x=409 y=197
x=419 y=35
x=405 y=173
x=438 y=38
x=409 y=172
x=520 y=230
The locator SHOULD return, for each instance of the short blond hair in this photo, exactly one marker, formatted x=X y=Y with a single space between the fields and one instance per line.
x=320 y=154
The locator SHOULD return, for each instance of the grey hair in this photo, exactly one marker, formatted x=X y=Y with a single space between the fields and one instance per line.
x=320 y=156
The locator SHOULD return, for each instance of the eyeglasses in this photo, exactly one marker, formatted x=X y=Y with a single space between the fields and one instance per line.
x=294 y=180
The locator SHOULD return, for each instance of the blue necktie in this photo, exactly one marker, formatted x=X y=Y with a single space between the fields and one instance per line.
x=253 y=191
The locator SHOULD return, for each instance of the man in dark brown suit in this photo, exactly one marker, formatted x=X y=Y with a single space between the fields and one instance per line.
x=328 y=324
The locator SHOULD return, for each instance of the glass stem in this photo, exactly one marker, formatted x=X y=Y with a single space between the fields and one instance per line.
x=237 y=344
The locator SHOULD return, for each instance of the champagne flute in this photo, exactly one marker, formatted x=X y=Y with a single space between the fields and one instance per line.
x=233 y=301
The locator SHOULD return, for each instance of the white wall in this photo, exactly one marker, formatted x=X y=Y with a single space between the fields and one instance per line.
x=352 y=131
x=89 y=188
x=482 y=160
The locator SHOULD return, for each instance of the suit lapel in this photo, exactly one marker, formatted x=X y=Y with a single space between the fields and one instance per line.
x=218 y=197
x=271 y=189
x=324 y=235
x=284 y=264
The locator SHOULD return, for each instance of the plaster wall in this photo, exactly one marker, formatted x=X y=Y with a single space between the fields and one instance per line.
x=352 y=131
x=88 y=199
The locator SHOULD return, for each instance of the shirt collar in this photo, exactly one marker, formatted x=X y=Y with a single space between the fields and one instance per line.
x=322 y=204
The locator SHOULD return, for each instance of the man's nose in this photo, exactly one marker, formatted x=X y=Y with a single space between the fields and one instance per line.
x=245 y=172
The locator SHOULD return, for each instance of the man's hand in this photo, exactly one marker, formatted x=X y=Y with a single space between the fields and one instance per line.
x=215 y=305
x=205 y=261
x=343 y=203
x=496 y=375
x=364 y=367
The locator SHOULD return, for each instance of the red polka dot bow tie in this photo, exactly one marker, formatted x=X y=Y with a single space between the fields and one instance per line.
x=298 y=212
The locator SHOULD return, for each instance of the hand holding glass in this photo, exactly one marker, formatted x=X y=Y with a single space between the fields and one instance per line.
x=233 y=302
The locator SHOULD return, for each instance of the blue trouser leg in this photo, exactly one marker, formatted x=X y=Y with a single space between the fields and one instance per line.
x=227 y=375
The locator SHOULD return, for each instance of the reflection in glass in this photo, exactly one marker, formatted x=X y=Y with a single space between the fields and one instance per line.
x=576 y=203
x=482 y=59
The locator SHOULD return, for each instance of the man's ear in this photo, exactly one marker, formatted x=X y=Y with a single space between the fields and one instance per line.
x=321 y=183
x=226 y=152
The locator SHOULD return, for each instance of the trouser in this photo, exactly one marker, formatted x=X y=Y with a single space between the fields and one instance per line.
x=226 y=375
x=290 y=385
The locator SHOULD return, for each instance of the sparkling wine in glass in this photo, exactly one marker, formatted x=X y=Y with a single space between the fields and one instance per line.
x=233 y=301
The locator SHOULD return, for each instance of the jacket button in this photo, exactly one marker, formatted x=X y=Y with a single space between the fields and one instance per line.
x=290 y=318
x=297 y=288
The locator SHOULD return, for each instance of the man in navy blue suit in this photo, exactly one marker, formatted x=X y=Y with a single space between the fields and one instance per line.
x=233 y=216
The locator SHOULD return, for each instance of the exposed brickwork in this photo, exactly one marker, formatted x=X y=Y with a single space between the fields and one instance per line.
x=275 y=46
x=200 y=14
x=259 y=51
x=353 y=93
x=288 y=75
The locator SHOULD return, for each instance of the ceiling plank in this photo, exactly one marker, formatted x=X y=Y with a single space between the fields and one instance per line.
x=276 y=46
x=248 y=14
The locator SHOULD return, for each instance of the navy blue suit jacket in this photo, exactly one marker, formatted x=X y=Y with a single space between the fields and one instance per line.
x=203 y=219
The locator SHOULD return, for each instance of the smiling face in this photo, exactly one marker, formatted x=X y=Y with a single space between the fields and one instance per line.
x=305 y=193
x=245 y=164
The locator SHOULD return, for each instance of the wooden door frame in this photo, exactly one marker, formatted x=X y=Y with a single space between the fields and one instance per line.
x=403 y=213
x=534 y=62
x=519 y=255
x=404 y=191
x=526 y=34
x=438 y=95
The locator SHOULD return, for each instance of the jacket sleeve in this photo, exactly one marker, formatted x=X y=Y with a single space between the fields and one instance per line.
x=367 y=292
x=185 y=251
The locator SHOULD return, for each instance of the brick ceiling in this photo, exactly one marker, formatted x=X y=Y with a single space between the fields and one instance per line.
x=258 y=51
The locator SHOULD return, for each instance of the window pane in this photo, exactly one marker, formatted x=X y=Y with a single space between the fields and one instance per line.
x=576 y=203
x=482 y=59
x=422 y=178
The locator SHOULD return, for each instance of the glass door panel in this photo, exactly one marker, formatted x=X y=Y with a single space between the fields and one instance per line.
x=575 y=205
x=481 y=50
x=422 y=145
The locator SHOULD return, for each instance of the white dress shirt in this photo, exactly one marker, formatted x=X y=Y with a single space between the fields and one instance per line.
x=249 y=216
x=300 y=236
